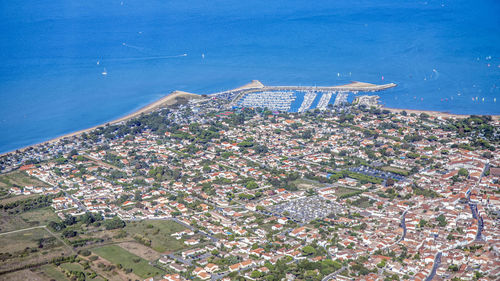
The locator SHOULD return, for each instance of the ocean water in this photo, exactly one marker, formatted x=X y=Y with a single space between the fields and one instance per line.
x=442 y=54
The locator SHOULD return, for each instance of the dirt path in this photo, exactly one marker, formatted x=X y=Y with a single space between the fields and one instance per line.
x=25 y=229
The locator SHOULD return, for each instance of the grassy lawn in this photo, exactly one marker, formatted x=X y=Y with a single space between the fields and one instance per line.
x=53 y=272
x=118 y=255
x=159 y=232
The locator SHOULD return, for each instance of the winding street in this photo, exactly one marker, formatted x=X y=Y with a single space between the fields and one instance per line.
x=437 y=262
x=403 y=225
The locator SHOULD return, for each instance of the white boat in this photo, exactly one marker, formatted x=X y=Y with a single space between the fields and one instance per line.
x=104 y=72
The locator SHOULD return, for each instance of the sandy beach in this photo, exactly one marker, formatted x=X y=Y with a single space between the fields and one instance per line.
x=434 y=113
x=171 y=99
x=167 y=100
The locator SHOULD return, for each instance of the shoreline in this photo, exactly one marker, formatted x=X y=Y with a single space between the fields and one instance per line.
x=436 y=113
x=168 y=99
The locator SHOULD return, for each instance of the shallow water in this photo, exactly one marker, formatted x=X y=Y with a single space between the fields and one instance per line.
x=438 y=52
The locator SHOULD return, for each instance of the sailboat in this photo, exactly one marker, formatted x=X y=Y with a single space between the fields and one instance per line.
x=104 y=72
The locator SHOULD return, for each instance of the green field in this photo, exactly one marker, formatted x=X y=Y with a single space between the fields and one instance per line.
x=342 y=190
x=53 y=272
x=159 y=232
x=72 y=266
x=40 y=216
x=18 y=241
x=27 y=219
x=396 y=170
x=118 y=255
x=19 y=179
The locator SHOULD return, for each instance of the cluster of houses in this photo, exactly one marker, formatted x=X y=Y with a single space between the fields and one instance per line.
x=403 y=226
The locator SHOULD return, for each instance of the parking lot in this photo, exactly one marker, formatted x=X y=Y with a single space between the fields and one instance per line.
x=305 y=209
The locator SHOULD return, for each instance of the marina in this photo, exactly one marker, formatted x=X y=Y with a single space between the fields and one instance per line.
x=294 y=98
x=324 y=101
x=341 y=99
x=268 y=99
x=308 y=100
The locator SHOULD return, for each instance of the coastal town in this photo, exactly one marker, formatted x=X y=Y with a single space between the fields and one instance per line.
x=234 y=186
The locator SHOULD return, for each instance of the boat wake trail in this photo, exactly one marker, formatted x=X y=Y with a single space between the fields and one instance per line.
x=145 y=58
x=133 y=47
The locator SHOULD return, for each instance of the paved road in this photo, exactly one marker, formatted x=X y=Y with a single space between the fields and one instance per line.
x=217 y=276
x=473 y=207
x=437 y=262
x=180 y=259
x=403 y=225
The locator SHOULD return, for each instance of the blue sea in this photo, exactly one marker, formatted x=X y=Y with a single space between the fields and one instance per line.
x=442 y=54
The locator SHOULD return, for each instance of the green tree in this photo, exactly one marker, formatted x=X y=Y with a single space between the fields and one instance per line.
x=308 y=250
x=441 y=220
x=463 y=172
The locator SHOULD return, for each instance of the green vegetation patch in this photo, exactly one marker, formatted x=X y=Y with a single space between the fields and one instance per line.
x=343 y=191
x=19 y=179
x=39 y=217
x=53 y=272
x=32 y=238
x=156 y=234
x=117 y=255
x=362 y=202
x=72 y=266
x=395 y=170
x=14 y=219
